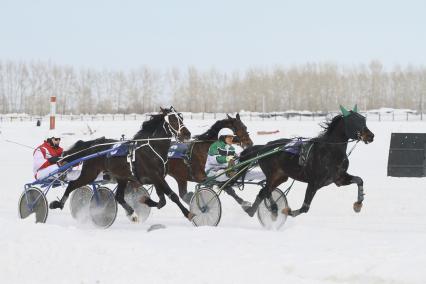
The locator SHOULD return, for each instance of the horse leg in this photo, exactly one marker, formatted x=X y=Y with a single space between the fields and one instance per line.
x=85 y=178
x=347 y=179
x=309 y=195
x=272 y=181
x=148 y=201
x=162 y=185
x=179 y=171
x=162 y=199
x=230 y=191
x=151 y=203
x=183 y=192
x=250 y=210
x=119 y=197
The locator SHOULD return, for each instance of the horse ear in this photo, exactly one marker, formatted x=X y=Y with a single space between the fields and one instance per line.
x=238 y=116
x=162 y=110
x=355 y=108
x=227 y=115
x=345 y=112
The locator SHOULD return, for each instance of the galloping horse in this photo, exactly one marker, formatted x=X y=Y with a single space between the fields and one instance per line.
x=326 y=163
x=150 y=144
x=193 y=169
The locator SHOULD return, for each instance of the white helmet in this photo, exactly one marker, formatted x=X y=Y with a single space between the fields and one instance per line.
x=225 y=132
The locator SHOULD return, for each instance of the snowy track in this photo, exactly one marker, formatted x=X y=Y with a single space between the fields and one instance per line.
x=331 y=244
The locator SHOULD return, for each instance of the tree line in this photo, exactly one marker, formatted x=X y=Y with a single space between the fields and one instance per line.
x=25 y=87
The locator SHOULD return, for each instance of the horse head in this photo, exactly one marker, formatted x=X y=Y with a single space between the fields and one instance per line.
x=239 y=129
x=174 y=122
x=356 y=126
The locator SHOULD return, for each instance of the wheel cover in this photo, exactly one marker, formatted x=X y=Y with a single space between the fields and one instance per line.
x=206 y=206
x=132 y=195
x=80 y=203
x=265 y=212
x=33 y=201
x=103 y=207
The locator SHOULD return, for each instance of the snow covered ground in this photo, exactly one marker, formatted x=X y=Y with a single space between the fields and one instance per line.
x=385 y=243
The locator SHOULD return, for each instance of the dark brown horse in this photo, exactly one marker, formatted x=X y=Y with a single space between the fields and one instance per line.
x=326 y=163
x=150 y=144
x=193 y=168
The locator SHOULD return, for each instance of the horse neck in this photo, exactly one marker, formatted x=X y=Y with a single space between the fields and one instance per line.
x=162 y=132
x=213 y=131
x=336 y=137
x=160 y=146
x=158 y=132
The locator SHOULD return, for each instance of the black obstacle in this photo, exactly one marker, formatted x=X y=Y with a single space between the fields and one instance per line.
x=407 y=155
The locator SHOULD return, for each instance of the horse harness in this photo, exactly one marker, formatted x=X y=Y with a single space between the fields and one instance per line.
x=128 y=148
x=302 y=147
x=183 y=151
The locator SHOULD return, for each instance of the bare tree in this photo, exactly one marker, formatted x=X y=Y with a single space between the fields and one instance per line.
x=26 y=87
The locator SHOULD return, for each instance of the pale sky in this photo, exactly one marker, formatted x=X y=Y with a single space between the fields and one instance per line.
x=224 y=34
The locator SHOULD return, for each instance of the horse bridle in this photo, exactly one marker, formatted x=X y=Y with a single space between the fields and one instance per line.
x=244 y=137
x=172 y=130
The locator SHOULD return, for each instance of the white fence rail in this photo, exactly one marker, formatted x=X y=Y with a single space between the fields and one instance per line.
x=249 y=116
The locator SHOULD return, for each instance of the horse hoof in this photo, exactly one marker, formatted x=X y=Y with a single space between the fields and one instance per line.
x=133 y=218
x=56 y=204
x=190 y=216
x=286 y=211
x=161 y=203
x=250 y=211
x=357 y=206
x=143 y=199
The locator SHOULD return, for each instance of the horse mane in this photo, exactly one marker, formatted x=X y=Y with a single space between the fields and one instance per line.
x=330 y=125
x=213 y=131
x=148 y=127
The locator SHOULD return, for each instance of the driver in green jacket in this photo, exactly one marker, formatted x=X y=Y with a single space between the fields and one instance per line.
x=221 y=155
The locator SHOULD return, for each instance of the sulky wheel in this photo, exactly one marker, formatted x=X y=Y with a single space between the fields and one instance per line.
x=31 y=201
x=79 y=203
x=206 y=206
x=132 y=195
x=103 y=207
x=269 y=210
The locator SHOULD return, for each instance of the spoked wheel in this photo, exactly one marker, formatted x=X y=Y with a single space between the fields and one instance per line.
x=132 y=195
x=79 y=203
x=206 y=206
x=103 y=207
x=31 y=201
x=269 y=211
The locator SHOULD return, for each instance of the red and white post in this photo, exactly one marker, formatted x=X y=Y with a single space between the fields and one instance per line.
x=52 y=112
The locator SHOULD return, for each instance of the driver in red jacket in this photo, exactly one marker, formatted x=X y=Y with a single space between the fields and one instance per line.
x=46 y=156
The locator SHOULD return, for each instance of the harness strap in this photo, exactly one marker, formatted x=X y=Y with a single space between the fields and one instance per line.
x=153 y=150
x=350 y=151
x=116 y=142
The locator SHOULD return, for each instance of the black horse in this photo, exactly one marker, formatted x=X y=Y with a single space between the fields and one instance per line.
x=150 y=145
x=326 y=162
